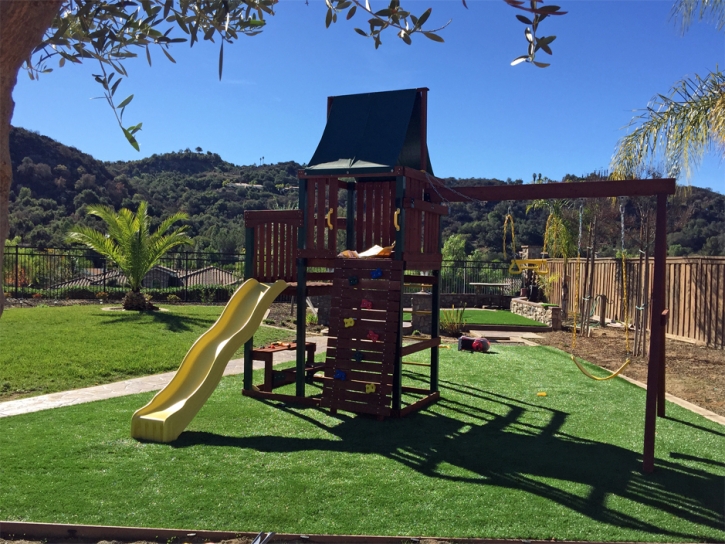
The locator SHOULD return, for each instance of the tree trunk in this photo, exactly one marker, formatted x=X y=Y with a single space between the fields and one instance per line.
x=22 y=27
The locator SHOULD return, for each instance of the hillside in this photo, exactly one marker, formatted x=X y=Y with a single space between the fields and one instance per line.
x=54 y=183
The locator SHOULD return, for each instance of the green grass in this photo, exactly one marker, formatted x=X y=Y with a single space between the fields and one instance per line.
x=491 y=459
x=491 y=317
x=46 y=349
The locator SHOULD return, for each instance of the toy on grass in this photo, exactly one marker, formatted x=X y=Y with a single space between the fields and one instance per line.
x=466 y=343
x=365 y=304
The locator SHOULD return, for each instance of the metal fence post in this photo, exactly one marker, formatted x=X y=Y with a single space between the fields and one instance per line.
x=186 y=276
x=16 y=271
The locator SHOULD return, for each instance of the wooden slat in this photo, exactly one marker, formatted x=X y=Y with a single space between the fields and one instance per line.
x=332 y=203
x=359 y=218
x=420 y=346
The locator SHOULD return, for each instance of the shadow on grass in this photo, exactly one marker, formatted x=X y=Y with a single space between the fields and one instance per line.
x=173 y=322
x=496 y=446
x=695 y=426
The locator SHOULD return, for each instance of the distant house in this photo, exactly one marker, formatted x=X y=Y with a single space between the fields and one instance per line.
x=210 y=275
x=159 y=277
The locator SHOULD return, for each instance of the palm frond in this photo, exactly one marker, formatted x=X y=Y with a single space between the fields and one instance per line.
x=680 y=127
x=129 y=241
x=689 y=11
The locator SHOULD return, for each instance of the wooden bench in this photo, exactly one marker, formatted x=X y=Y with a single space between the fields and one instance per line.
x=266 y=355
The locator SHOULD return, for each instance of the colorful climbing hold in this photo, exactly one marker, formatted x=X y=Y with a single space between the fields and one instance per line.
x=377 y=273
x=340 y=375
x=358 y=356
x=373 y=336
x=370 y=388
x=349 y=322
x=365 y=304
x=353 y=280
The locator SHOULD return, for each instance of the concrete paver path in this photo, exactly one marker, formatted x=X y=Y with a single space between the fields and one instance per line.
x=127 y=387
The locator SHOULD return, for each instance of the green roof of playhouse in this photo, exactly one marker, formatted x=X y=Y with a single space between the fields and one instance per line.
x=372 y=133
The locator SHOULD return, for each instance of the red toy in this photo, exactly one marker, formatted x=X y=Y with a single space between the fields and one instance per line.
x=466 y=343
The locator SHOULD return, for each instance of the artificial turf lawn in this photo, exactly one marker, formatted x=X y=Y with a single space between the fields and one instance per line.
x=490 y=317
x=490 y=459
x=49 y=349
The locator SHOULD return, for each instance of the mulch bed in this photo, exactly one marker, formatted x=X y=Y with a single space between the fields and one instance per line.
x=694 y=373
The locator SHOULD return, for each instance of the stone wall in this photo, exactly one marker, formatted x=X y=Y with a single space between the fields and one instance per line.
x=550 y=315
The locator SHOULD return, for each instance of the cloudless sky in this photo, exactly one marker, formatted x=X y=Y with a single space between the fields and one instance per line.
x=485 y=117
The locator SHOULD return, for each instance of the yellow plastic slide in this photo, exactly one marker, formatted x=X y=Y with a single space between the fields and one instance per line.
x=172 y=409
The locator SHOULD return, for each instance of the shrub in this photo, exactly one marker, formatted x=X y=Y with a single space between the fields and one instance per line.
x=311 y=319
x=101 y=295
x=452 y=321
x=173 y=299
x=80 y=293
x=37 y=296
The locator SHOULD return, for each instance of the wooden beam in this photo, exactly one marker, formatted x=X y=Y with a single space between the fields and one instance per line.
x=656 y=346
x=536 y=191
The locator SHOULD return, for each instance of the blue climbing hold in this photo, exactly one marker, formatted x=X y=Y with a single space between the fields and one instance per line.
x=340 y=375
x=352 y=280
x=377 y=273
x=358 y=356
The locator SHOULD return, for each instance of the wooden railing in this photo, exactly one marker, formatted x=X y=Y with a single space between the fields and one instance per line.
x=273 y=244
x=695 y=293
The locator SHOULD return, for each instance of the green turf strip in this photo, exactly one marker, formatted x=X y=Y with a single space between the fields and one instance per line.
x=47 y=349
x=491 y=459
x=491 y=317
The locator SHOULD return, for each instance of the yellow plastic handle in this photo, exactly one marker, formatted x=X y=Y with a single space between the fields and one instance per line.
x=328 y=219
x=395 y=219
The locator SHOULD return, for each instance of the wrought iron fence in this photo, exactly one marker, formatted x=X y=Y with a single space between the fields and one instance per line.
x=461 y=277
x=63 y=273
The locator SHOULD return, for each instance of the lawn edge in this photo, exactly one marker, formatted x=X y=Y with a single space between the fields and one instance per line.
x=13 y=530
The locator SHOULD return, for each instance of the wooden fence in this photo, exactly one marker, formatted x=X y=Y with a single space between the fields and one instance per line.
x=695 y=293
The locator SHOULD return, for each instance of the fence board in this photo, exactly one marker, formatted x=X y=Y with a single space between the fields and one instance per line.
x=695 y=293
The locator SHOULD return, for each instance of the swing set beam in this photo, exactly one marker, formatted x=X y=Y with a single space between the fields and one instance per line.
x=655 y=396
x=545 y=191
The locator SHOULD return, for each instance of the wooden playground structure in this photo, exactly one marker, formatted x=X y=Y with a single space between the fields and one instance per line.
x=374 y=153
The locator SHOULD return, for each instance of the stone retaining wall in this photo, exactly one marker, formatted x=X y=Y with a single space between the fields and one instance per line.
x=550 y=315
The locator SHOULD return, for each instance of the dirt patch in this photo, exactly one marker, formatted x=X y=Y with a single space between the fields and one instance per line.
x=693 y=373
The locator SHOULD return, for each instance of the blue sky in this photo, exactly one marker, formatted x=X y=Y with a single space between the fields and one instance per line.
x=486 y=118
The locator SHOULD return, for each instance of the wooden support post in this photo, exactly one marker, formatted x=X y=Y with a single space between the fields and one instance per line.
x=302 y=293
x=661 y=392
x=435 y=331
x=350 y=227
x=656 y=345
x=248 y=273
x=398 y=256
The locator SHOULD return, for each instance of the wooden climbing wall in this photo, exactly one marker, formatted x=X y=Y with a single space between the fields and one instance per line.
x=361 y=349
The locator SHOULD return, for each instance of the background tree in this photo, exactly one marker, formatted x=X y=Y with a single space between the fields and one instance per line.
x=684 y=124
x=131 y=244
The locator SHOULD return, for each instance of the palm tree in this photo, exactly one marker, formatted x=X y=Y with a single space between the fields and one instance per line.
x=687 y=122
x=130 y=244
